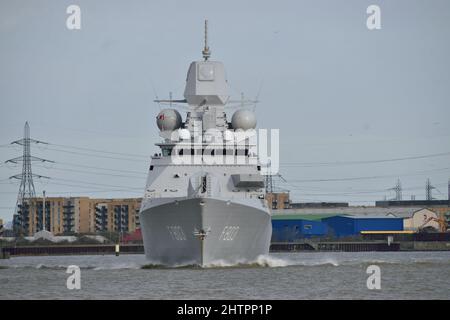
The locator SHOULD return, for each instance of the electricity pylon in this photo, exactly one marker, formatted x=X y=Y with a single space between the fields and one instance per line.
x=26 y=189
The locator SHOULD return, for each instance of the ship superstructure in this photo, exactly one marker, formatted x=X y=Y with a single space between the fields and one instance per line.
x=205 y=199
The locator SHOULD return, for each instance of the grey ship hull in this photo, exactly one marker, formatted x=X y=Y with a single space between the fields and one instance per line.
x=236 y=232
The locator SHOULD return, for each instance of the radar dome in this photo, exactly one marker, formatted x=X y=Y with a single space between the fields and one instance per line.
x=184 y=134
x=243 y=119
x=228 y=135
x=168 y=120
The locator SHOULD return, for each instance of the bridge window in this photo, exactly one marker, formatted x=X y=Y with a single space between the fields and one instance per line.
x=166 y=152
x=204 y=184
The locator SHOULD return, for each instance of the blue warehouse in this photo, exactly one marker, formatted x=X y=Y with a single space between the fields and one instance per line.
x=289 y=230
x=342 y=226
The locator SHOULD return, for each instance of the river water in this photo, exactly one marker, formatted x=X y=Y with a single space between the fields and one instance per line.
x=337 y=275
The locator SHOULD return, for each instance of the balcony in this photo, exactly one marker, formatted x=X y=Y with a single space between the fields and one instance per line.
x=101 y=209
x=101 y=225
x=68 y=218
x=100 y=219
x=68 y=227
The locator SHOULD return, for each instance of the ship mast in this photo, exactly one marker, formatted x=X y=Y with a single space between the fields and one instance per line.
x=206 y=52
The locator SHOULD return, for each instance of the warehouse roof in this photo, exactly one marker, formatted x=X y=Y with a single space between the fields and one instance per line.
x=403 y=212
x=369 y=217
x=301 y=216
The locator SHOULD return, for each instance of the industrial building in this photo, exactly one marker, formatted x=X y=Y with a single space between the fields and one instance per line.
x=344 y=226
x=294 y=227
x=334 y=220
x=312 y=211
x=291 y=229
x=399 y=209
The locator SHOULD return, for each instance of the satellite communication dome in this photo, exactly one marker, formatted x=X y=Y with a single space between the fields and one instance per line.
x=184 y=134
x=243 y=119
x=228 y=135
x=168 y=120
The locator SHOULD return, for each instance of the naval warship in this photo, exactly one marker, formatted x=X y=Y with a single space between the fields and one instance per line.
x=204 y=201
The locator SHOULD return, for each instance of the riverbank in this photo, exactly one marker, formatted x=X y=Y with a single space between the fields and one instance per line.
x=301 y=246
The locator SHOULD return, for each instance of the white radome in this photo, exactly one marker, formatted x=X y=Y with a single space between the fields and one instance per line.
x=168 y=120
x=184 y=134
x=243 y=119
x=228 y=135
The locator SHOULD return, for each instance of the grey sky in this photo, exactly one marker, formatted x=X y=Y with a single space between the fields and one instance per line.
x=337 y=91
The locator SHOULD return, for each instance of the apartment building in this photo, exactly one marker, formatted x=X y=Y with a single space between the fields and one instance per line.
x=69 y=215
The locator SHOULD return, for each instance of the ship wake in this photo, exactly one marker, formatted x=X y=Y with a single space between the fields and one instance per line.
x=263 y=261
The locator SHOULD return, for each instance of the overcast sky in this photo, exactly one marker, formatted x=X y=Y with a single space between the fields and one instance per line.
x=338 y=91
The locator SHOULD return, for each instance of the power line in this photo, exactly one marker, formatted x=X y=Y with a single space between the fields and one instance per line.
x=338 y=163
x=368 y=177
x=97 y=191
x=284 y=164
x=8 y=192
x=75 y=185
x=379 y=191
x=293 y=180
x=100 y=151
x=96 y=173
x=97 y=168
x=95 y=155
x=90 y=183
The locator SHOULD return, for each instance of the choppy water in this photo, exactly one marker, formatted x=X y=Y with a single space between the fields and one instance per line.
x=404 y=275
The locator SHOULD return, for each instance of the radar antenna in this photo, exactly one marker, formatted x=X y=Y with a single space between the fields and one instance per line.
x=206 y=52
